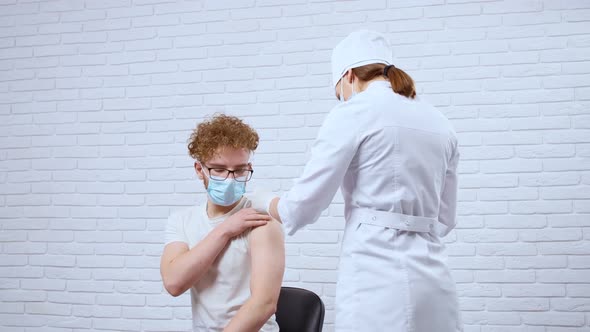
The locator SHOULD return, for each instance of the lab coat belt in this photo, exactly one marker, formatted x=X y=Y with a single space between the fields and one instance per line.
x=398 y=221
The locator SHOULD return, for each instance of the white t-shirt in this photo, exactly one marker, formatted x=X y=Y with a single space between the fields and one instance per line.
x=225 y=287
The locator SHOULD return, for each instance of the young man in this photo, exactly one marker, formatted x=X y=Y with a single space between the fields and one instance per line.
x=231 y=257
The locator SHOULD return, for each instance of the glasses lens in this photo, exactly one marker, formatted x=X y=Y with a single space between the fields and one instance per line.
x=218 y=173
x=243 y=175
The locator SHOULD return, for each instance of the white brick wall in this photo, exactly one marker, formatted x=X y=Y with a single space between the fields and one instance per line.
x=97 y=99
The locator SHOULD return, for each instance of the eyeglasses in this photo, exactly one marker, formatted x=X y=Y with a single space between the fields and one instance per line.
x=220 y=174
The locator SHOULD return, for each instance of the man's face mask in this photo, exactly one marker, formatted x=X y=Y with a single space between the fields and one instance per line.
x=226 y=187
x=225 y=192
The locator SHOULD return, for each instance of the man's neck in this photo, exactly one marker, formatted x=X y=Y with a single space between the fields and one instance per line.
x=214 y=211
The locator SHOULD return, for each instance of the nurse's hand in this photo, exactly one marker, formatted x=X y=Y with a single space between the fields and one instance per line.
x=260 y=200
x=243 y=220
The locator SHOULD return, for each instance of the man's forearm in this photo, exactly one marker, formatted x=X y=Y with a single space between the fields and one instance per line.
x=252 y=315
x=185 y=270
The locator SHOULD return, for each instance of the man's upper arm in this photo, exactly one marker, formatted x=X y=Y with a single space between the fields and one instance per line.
x=173 y=250
x=267 y=250
x=176 y=242
x=175 y=230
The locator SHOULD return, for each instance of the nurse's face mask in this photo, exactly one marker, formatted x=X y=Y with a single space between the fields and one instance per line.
x=226 y=187
x=352 y=93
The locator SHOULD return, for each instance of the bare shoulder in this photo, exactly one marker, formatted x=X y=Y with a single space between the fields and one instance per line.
x=271 y=232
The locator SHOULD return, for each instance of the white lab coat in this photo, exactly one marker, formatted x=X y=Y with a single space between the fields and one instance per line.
x=396 y=160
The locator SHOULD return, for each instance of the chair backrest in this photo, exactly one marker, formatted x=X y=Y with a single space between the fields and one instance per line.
x=299 y=310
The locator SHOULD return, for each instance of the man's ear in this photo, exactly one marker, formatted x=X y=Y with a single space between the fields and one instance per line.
x=199 y=170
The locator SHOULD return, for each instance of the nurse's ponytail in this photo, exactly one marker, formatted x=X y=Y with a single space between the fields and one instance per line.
x=401 y=83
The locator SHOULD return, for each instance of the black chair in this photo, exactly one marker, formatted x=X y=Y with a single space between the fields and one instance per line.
x=299 y=310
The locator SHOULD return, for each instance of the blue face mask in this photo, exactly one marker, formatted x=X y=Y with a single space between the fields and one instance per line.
x=225 y=192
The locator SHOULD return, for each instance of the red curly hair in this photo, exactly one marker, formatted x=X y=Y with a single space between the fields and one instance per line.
x=221 y=131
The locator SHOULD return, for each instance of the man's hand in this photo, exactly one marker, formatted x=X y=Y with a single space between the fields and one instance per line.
x=242 y=221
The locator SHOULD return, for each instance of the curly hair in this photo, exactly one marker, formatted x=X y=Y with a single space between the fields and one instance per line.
x=219 y=132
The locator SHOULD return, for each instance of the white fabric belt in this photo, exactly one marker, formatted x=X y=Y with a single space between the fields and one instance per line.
x=398 y=221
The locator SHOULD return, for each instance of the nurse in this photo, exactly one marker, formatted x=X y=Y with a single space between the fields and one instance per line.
x=395 y=158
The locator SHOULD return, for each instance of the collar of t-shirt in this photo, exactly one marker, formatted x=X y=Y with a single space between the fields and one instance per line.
x=217 y=220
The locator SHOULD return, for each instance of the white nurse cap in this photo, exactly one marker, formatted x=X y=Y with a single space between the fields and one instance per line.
x=360 y=48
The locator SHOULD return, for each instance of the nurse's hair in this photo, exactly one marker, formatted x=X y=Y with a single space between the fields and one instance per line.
x=401 y=83
x=220 y=131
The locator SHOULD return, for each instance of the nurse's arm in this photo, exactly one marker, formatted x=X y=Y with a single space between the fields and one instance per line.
x=273 y=209
x=448 y=204
x=331 y=155
x=267 y=251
